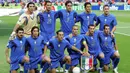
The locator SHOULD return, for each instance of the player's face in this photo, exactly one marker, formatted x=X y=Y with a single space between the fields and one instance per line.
x=31 y=8
x=60 y=36
x=35 y=32
x=91 y=29
x=69 y=7
x=20 y=33
x=106 y=10
x=75 y=30
x=48 y=6
x=107 y=30
x=88 y=8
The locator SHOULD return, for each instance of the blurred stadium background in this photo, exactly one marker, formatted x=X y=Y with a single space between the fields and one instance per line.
x=119 y=8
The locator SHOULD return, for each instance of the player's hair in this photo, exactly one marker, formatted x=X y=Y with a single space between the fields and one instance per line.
x=19 y=29
x=105 y=6
x=87 y=3
x=34 y=27
x=105 y=26
x=74 y=26
x=57 y=32
x=47 y=2
x=90 y=26
x=29 y=4
x=67 y=2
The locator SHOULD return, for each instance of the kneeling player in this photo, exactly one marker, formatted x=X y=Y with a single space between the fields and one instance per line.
x=17 y=47
x=109 y=48
x=35 y=44
x=57 y=46
x=78 y=41
x=93 y=47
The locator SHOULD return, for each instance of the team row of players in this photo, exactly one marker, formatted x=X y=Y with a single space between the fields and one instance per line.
x=100 y=44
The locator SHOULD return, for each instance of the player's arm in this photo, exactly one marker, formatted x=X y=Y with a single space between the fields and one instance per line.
x=97 y=22
x=76 y=49
x=113 y=29
x=20 y=22
x=7 y=55
x=86 y=48
x=114 y=42
x=7 y=50
x=45 y=49
x=38 y=19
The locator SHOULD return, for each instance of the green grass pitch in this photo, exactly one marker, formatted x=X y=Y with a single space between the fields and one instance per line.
x=122 y=38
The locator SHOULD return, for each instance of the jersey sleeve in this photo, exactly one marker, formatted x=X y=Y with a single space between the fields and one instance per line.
x=68 y=45
x=114 y=21
x=95 y=17
x=78 y=18
x=22 y=20
x=97 y=21
x=10 y=44
x=50 y=45
x=114 y=41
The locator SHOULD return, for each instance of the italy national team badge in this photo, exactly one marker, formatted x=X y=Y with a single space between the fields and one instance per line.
x=59 y=45
x=86 y=62
x=105 y=38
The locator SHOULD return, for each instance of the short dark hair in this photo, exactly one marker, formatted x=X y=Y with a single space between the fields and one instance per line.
x=105 y=6
x=57 y=32
x=34 y=28
x=87 y=3
x=105 y=26
x=90 y=25
x=19 y=29
x=47 y=2
x=66 y=3
x=29 y=4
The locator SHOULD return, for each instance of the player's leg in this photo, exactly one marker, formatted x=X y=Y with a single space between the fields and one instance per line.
x=115 y=60
x=54 y=65
x=106 y=61
x=22 y=60
x=47 y=62
x=101 y=59
x=13 y=71
x=67 y=60
x=74 y=61
x=14 y=66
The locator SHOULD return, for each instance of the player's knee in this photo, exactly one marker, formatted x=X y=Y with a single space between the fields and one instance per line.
x=26 y=59
x=117 y=55
x=68 y=57
x=101 y=55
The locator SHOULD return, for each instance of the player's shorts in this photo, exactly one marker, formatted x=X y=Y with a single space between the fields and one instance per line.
x=47 y=36
x=34 y=62
x=15 y=64
x=95 y=56
x=108 y=56
x=75 y=59
x=56 y=62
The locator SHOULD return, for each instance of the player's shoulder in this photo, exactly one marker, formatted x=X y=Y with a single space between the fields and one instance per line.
x=93 y=13
x=112 y=15
x=101 y=15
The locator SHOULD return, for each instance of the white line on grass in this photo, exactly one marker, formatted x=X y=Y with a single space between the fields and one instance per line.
x=123 y=33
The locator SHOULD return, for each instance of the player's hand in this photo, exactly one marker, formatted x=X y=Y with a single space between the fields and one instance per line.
x=86 y=54
x=112 y=35
x=8 y=60
x=81 y=52
x=12 y=36
x=43 y=55
x=87 y=33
